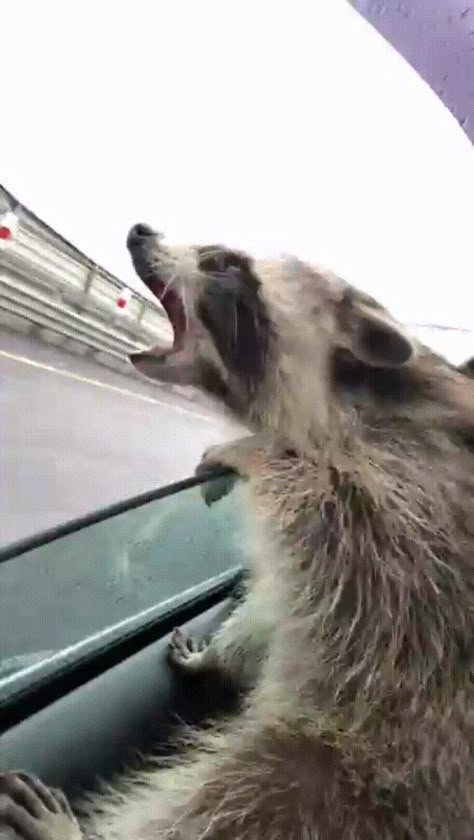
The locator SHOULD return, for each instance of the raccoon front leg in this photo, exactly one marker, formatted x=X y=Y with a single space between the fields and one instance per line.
x=237 y=650
x=239 y=647
x=245 y=456
x=34 y=811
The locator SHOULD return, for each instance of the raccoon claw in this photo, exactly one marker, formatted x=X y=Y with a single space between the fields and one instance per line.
x=217 y=485
x=243 y=458
x=32 y=811
x=216 y=488
x=246 y=456
x=186 y=653
x=209 y=469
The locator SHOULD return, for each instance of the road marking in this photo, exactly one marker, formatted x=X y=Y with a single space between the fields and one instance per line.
x=97 y=384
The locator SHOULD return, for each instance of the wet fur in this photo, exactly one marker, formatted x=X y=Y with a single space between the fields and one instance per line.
x=360 y=724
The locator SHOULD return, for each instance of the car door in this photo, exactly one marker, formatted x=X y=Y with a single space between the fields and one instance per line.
x=86 y=611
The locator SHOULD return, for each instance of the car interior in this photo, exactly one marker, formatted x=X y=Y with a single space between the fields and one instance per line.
x=102 y=692
x=85 y=684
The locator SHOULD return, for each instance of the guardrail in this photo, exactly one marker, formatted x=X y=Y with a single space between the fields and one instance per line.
x=22 y=302
x=48 y=286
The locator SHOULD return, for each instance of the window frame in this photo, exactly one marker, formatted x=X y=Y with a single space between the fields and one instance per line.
x=71 y=526
x=39 y=685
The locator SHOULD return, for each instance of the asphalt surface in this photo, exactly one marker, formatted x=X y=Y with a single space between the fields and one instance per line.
x=68 y=446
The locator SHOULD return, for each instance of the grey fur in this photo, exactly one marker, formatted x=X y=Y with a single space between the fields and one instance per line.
x=360 y=722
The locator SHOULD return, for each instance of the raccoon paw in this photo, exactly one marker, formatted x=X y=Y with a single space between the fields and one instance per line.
x=32 y=811
x=187 y=654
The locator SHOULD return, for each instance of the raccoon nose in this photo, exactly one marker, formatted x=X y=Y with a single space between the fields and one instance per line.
x=138 y=234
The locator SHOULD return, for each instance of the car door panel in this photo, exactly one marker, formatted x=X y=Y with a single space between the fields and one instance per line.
x=95 y=729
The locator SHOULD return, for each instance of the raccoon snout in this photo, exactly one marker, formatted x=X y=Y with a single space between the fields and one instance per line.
x=139 y=234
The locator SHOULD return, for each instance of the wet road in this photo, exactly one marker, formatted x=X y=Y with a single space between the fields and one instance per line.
x=74 y=437
x=69 y=445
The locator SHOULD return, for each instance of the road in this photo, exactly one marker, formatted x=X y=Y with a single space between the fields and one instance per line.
x=75 y=436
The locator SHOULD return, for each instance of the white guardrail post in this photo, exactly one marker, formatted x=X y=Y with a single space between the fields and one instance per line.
x=48 y=287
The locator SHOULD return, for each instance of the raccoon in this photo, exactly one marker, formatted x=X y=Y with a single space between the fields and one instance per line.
x=357 y=721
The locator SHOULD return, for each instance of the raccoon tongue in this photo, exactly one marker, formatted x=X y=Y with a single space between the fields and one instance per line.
x=172 y=303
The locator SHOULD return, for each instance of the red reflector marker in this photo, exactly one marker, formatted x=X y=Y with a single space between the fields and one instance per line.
x=5 y=232
x=123 y=298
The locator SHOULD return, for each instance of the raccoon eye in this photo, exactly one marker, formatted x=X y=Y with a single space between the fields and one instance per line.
x=218 y=260
x=212 y=263
x=235 y=260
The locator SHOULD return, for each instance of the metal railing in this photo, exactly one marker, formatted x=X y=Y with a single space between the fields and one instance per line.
x=49 y=285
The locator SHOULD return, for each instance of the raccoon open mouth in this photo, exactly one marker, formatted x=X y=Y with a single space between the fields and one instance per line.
x=142 y=240
x=173 y=304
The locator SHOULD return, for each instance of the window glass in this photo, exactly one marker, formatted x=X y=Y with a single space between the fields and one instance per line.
x=92 y=582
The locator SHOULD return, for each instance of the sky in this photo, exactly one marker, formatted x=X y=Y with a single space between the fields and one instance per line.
x=279 y=127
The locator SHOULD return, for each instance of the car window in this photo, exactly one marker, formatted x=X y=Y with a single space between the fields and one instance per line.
x=85 y=585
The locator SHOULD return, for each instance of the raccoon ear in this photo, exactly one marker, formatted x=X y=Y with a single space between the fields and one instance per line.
x=376 y=338
x=467 y=368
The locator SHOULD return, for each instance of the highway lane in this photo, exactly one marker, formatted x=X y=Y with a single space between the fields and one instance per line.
x=75 y=436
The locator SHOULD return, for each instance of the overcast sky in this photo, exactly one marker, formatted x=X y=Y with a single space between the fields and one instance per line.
x=275 y=126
